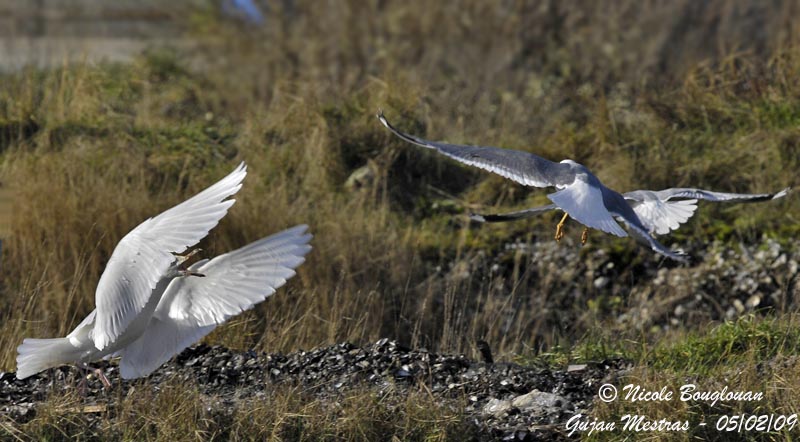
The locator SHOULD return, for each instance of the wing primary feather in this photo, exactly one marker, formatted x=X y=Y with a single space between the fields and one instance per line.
x=523 y=167
x=141 y=259
x=237 y=280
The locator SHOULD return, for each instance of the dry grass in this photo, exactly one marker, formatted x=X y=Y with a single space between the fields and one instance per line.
x=92 y=151
x=179 y=412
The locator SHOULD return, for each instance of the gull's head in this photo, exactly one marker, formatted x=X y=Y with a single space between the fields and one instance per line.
x=576 y=167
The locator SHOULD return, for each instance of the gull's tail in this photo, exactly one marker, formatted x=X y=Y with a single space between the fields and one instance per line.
x=35 y=355
x=661 y=216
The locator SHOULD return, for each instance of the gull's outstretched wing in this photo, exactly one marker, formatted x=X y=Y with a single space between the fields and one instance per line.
x=234 y=282
x=144 y=255
x=238 y=280
x=522 y=167
x=708 y=195
x=511 y=216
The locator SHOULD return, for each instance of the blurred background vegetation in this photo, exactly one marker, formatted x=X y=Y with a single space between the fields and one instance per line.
x=647 y=94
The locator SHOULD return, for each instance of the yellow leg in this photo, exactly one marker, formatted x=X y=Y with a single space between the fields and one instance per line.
x=584 y=235
x=560 y=227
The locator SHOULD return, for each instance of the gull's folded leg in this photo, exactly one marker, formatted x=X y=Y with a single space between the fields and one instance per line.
x=97 y=372
x=560 y=227
x=585 y=235
x=186 y=260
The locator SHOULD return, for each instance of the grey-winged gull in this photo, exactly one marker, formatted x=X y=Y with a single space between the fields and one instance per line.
x=659 y=210
x=580 y=194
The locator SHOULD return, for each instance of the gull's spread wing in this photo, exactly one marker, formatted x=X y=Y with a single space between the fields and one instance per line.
x=511 y=216
x=144 y=255
x=234 y=282
x=709 y=195
x=522 y=167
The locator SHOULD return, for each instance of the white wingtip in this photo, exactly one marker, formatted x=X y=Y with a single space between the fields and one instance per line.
x=782 y=193
x=383 y=120
x=477 y=217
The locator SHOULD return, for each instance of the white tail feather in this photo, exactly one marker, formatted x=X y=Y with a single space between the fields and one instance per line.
x=662 y=216
x=35 y=355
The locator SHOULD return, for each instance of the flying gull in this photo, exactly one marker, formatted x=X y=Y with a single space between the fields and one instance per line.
x=659 y=210
x=580 y=194
x=150 y=304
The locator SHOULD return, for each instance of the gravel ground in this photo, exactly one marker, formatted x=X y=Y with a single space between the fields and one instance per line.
x=641 y=290
x=506 y=401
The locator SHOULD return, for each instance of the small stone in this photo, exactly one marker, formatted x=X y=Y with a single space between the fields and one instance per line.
x=497 y=407
x=539 y=402
x=601 y=282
